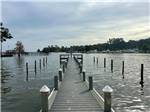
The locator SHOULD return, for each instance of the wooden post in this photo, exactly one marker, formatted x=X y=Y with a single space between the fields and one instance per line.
x=104 y=62
x=90 y=83
x=94 y=59
x=43 y=62
x=35 y=66
x=60 y=74
x=82 y=59
x=44 y=98
x=27 y=71
x=40 y=64
x=97 y=60
x=84 y=77
x=65 y=62
x=46 y=60
x=111 y=65
x=123 y=68
x=107 y=98
x=80 y=68
x=56 y=82
x=60 y=60
x=142 y=68
x=63 y=68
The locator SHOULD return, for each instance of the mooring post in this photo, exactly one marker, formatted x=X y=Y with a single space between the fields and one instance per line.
x=56 y=82
x=90 y=83
x=123 y=68
x=67 y=58
x=60 y=60
x=44 y=98
x=35 y=66
x=82 y=59
x=142 y=68
x=80 y=68
x=94 y=59
x=97 y=60
x=63 y=68
x=60 y=74
x=65 y=63
x=46 y=60
x=43 y=62
x=111 y=65
x=107 y=98
x=104 y=62
x=40 y=64
x=27 y=71
x=84 y=77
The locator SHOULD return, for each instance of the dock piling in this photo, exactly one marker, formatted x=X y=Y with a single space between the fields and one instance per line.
x=63 y=68
x=104 y=62
x=43 y=62
x=27 y=71
x=44 y=98
x=46 y=60
x=123 y=69
x=107 y=98
x=35 y=66
x=97 y=60
x=142 y=68
x=40 y=64
x=84 y=77
x=111 y=65
x=94 y=59
x=65 y=62
x=90 y=83
x=80 y=66
x=56 y=82
x=60 y=74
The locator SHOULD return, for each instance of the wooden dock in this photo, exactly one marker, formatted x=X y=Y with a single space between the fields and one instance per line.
x=73 y=93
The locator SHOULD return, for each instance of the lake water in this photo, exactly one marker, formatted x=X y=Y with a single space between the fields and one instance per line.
x=19 y=95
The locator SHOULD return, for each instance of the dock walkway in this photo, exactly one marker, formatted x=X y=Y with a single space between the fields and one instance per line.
x=73 y=94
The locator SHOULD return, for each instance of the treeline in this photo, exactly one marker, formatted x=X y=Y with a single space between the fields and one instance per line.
x=113 y=44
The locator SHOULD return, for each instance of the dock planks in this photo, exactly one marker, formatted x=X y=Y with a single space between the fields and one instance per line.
x=73 y=95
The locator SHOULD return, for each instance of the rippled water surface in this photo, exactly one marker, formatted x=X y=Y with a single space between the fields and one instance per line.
x=20 y=95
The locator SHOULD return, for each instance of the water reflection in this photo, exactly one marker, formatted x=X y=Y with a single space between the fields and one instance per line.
x=20 y=61
x=5 y=90
x=5 y=75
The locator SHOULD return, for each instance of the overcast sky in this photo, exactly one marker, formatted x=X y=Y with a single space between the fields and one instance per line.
x=39 y=24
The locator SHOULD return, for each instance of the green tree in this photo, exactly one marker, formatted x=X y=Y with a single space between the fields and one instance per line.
x=4 y=34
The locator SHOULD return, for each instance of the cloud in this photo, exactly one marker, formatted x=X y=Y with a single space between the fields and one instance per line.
x=38 y=24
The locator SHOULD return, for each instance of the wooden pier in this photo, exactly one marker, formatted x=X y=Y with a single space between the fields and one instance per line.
x=74 y=93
